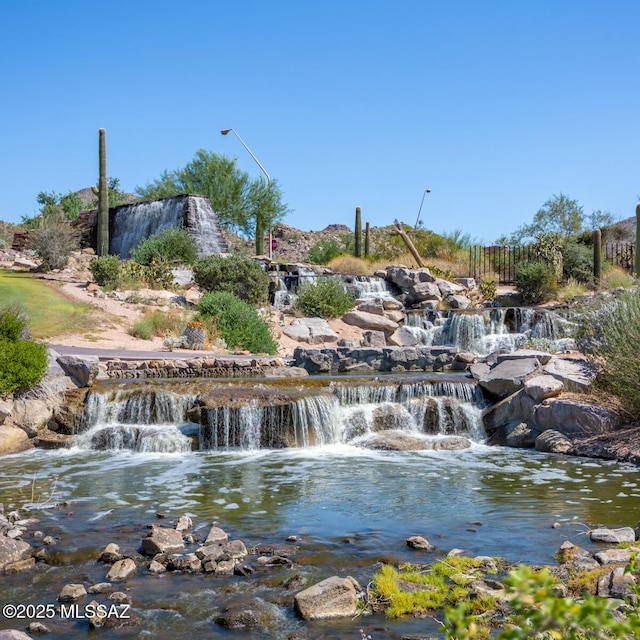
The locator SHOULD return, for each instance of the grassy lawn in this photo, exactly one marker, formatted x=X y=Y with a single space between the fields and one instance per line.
x=50 y=313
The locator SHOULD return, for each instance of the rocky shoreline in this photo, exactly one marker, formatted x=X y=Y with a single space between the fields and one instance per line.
x=178 y=546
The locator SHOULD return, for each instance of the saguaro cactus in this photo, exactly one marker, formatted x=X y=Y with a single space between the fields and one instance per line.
x=366 y=240
x=597 y=256
x=637 y=260
x=103 y=199
x=358 y=234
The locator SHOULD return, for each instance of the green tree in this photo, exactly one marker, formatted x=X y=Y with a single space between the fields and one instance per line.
x=242 y=204
x=560 y=215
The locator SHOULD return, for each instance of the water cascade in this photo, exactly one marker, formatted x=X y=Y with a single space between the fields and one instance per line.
x=132 y=223
x=483 y=331
x=371 y=287
x=144 y=421
x=275 y=414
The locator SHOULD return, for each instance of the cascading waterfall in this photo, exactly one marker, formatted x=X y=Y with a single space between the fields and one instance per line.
x=269 y=414
x=484 y=331
x=149 y=421
x=132 y=223
x=371 y=287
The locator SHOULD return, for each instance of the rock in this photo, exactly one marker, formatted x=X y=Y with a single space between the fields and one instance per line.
x=122 y=570
x=392 y=305
x=505 y=378
x=465 y=356
x=157 y=567
x=13 y=634
x=552 y=441
x=349 y=343
x=615 y=536
x=119 y=597
x=419 y=543
x=374 y=339
x=542 y=387
x=541 y=356
x=38 y=628
x=403 y=337
x=83 y=370
x=110 y=554
x=72 y=592
x=459 y=302
x=573 y=418
x=334 y=597
x=613 y=556
x=184 y=524
x=13 y=440
x=6 y=407
x=100 y=587
x=244 y=616
x=392 y=440
x=31 y=415
x=187 y=563
x=310 y=330
x=449 y=288
x=13 y=551
x=576 y=374
x=521 y=436
x=370 y=321
x=216 y=534
x=467 y=283
x=617 y=584
x=162 y=540
x=374 y=306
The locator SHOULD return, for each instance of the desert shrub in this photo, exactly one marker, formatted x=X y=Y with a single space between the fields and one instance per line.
x=23 y=363
x=349 y=265
x=325 y=298
x=53 y=244
x=175 y=246
x=615 y=348
x=158 y=274
x=106 y=271
x=535 y=282
x=577 y=262
x=13 y=324
x=161 y=324
x=571 y=289
x=488 y=288
x=237 y=322
x=615 y=277
x=133 y=275
x=243 y=277
x=325 y=250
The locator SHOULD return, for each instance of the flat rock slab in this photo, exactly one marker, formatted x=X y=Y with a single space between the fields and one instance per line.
x=541 y=356
x=310 y=330
x=575 y=373
x=615 y=536
x=370 y=321
x=542 y=387
x=507 y=377
x=162 y=540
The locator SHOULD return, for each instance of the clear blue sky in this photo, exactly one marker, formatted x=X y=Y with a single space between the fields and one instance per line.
x=494 y=105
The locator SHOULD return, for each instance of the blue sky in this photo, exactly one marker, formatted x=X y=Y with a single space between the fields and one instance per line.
x=495 y=106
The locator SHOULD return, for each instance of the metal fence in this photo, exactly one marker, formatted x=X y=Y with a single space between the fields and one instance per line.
x=501 y=262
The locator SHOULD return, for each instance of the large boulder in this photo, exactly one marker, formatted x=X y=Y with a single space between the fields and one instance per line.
x=13 y=440
x=83 y=370
x=370 y=321
x=552 y=441
x=13 y=551
x=542 y=387
x=402 y=337
x=575 y=419
x=334 y=597
x=31 y=414
x=310 y=330
x=162 y=540
x=577 y=374
x=506 y=377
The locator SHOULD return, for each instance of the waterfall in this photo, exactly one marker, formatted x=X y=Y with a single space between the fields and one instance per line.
x=142 y=421
x=371 y=287
x=271 y=414
x=132 y=223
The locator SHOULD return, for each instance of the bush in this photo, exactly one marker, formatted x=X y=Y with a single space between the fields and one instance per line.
x=349 y=265
x=615 y=277
x=616 y=350
x=535 y=282
x=577 y=262
x=53 y=244
x=243 y=277
x=23 y=363
x=237 y=322
x=325 y=250
x=175 y=246
x=162 y=324
x=326 y=298
x=106 y=271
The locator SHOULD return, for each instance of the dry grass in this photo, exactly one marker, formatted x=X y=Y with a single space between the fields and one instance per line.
x=350 y=265
x=616 y=277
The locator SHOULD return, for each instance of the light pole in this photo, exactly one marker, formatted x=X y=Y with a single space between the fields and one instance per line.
x=420 y=209
x=259 y=227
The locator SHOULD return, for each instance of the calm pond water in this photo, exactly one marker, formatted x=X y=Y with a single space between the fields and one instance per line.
x=350 y=508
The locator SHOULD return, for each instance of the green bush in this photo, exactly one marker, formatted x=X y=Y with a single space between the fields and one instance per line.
x=243 y=277
x=535 y=282
x=577 y=262
x=175 y=246
x=106 y=271
x=617 y=334
x=237 y=322
x=326 y=298
x=13 y=324
x=23 y=363
x=324 y=251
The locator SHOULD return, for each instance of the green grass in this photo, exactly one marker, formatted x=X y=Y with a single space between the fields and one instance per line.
x=50 y=313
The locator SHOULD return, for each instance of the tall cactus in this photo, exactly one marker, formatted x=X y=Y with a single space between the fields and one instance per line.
x=366 y=240
x=597 y=256
x=103 y=199
x=637 y=261
x=358 y=234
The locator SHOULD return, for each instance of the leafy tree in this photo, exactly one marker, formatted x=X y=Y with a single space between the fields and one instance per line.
x=243 y=205
x=560 y=215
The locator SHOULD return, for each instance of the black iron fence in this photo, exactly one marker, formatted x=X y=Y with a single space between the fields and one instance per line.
x=501 y=262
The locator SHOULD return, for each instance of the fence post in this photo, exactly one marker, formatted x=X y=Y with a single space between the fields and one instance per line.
x=597 y=256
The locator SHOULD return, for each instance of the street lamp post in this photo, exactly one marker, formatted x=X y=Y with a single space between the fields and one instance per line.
x=259 y=227
x=420 y=209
